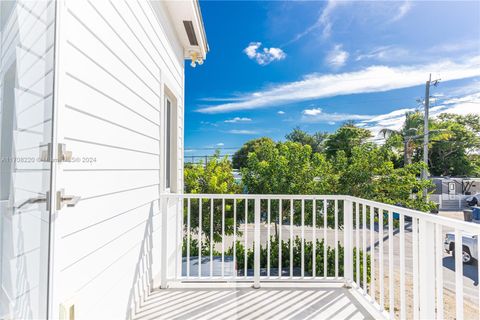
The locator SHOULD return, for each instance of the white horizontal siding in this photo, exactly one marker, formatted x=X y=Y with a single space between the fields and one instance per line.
x=115 y=58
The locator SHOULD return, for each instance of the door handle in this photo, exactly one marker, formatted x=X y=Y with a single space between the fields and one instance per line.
x=31 y=201
x=68 y=200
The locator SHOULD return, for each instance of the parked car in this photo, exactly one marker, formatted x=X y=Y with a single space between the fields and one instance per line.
x=469 y=246
x=473 y=200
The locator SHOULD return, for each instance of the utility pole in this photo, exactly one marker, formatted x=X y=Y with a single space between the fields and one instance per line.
x=425 y=131
x=425 y=128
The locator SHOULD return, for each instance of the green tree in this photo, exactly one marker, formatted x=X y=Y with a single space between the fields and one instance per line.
x=408 y=136
x=315 y=141
x=369 y=173
x=213 y=177
x=345 y=138
x=287 y=168
x=290 y=168
x=455 y=145
x=239 y=158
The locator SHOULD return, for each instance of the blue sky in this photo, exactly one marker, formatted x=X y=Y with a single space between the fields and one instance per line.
x=276 y=65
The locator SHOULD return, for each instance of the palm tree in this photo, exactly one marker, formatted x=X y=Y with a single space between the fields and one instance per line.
x=409 y=133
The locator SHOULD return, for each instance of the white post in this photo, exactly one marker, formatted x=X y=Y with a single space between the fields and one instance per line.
x=256 y=261
x=348 y=250
x=426 y=269
x=163 y=257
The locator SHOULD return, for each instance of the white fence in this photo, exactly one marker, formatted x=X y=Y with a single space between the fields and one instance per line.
x=391 y=255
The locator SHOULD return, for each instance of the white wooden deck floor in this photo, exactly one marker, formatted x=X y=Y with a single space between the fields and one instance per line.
x=248 y=303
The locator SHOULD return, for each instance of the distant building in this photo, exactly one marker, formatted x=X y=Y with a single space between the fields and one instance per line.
x=450 y=192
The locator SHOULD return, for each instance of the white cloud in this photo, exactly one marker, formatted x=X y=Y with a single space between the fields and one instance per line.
x=323 y=21
x=220 y=144
x=404 y=8
x=281 y=112
x=384 y=53
x=238 y=119
x=207 y=123
x=312 y=112
x=395 y=119
x=337 y=57
x=463 y=105
x=247 y=132
x=264 y=57
x=371 y=79
x=317 y=115
x=395 y=53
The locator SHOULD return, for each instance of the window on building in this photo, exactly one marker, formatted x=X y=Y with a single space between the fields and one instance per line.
x=168 y=144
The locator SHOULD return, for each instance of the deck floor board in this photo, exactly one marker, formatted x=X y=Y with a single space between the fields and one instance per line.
x=249 y=303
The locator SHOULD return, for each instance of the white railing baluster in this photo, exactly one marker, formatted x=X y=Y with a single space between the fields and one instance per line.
x=364 y=246
x=372 y=253
x=325 y=226
x=439 y=269
x=357 y=243
x=180 y=228
x=380 y=260
x=234 y=273
x=268 y=238
x=403 y=310
x=458 y=274
x=245 y=236
x=415 y=266
x=336 y=238
x=211 y=237
x=188 y=237
x=391 y=293
x=302 y=258
x=291 y=238
x=426 y=262
x=280 y=238
x=347 y=240
x=199 y=237
x=314 y=238
x=256 y=246
x=223 y=237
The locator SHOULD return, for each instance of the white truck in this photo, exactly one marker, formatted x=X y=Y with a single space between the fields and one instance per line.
x=469 y=246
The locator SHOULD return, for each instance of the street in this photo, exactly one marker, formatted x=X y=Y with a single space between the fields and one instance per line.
x=470 y=273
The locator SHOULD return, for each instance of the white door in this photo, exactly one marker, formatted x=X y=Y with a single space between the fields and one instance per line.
x=26 y=102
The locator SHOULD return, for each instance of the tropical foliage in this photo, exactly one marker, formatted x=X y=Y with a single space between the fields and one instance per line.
x=344 y=162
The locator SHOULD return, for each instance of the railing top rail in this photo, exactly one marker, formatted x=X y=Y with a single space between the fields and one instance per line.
x=253 y=196
x=445 y=221
x=434 y=218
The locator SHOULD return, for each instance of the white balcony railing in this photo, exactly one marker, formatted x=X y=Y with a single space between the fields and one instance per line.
x=394 y=257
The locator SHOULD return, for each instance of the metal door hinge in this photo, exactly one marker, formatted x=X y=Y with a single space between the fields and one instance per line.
x=63 y=155
x=62 y=200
